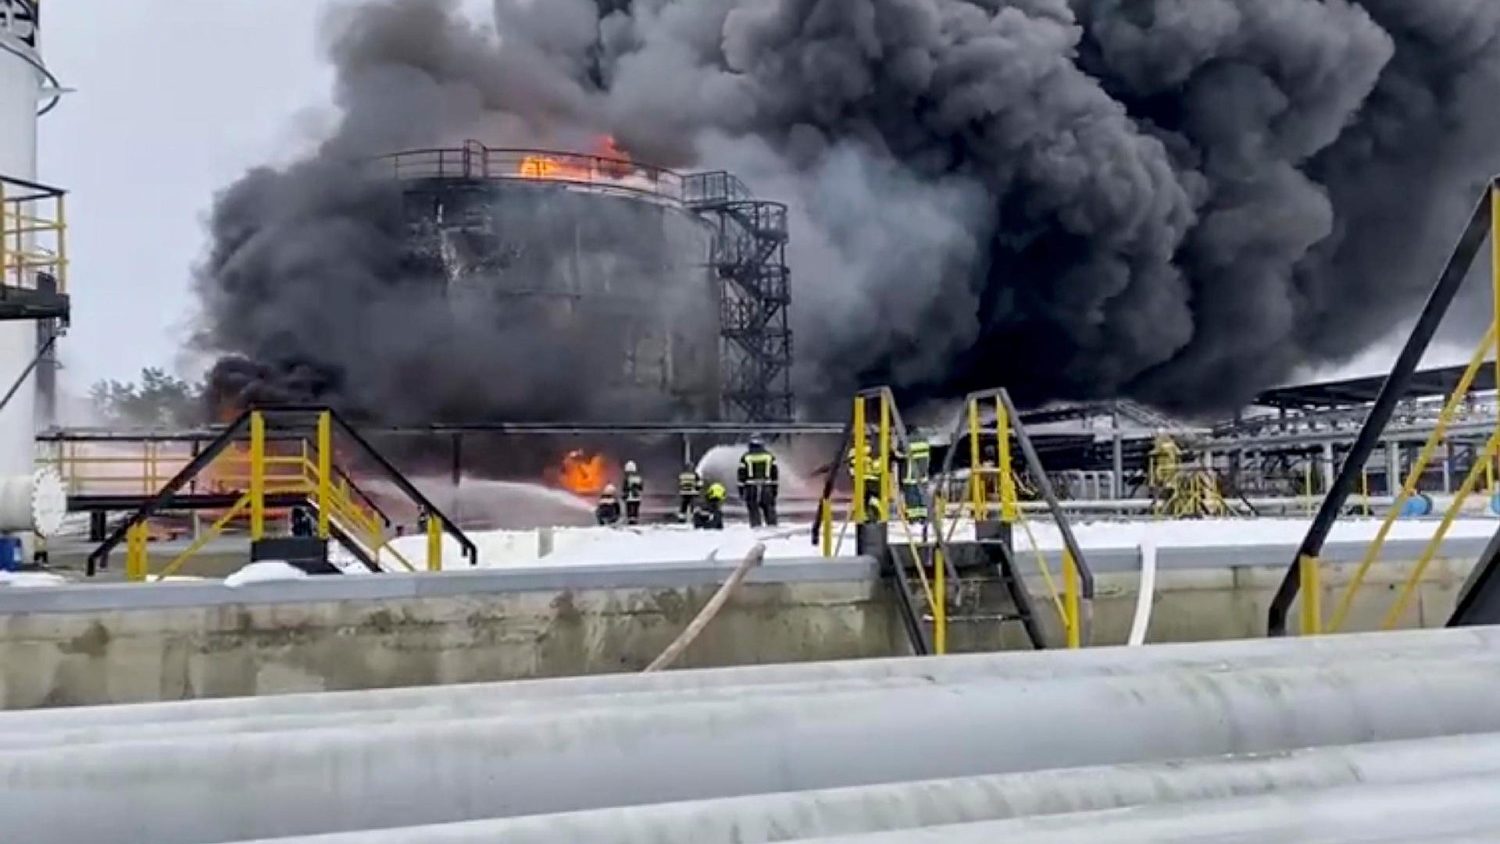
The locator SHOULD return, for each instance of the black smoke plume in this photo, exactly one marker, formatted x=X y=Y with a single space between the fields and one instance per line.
x=1179 y=201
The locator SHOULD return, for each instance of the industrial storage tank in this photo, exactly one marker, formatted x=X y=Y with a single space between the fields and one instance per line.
x=596 y=252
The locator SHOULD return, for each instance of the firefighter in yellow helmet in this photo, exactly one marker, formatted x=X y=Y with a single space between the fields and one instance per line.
x=708 y=514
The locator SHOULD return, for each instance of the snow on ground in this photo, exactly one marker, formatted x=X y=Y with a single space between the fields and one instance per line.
x=265 y=571
x=673 y=543
x=30 y=578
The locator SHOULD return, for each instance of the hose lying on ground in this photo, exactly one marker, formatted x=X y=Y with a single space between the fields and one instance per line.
x=710 y=609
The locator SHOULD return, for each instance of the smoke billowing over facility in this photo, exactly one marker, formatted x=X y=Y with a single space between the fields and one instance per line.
x=1177 y=202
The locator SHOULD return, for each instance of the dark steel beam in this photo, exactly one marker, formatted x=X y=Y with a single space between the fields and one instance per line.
x=1391 y=393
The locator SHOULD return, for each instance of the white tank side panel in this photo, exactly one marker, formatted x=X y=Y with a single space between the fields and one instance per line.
x=20 y=85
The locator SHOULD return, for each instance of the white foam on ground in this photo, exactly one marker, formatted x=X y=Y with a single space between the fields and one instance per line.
x=674 y=543
x=265 y=571
x=30 y=578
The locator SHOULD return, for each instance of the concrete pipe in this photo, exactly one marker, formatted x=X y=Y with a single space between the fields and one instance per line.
x=1401 y=812
x=913 y=805
x=231 y=787
x=1323 y=650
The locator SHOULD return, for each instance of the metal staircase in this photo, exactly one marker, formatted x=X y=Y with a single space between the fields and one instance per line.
x=272 y=459
x=748 y=252
x=937 y=581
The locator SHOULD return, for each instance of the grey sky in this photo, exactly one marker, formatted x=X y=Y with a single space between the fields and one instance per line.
x=174 y=99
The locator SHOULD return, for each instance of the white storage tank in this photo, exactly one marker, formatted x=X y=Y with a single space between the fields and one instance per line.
x=27 y=89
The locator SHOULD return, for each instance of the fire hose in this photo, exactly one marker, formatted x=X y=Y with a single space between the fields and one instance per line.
x=710 y=609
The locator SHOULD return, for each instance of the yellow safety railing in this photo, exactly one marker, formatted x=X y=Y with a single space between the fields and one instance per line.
x=309 y=472
x=33 y=233
x=991 y=487
x=869 y=506
x=1312 y=624
x=999 y=479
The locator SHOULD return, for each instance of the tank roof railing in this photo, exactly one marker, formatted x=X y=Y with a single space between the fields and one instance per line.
x=475 y=161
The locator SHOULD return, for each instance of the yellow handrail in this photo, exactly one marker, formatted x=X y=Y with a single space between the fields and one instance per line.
x=1439 y=431
x=1433 y=545
x=204 y=538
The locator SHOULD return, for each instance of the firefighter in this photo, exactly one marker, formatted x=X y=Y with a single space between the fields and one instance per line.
x=302 y=522
x=634 y=488
x=608 y=510
x=916 y=463
x=689 y=487
x=708 y=514
x=872 y=480
x=759 y=481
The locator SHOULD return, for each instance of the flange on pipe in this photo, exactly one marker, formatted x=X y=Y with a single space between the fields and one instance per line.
x=34 y=503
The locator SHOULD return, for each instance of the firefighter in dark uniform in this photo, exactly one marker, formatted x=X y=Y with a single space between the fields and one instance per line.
x=634 y=489
x=608 y=509
x=916 y=462
x=689 y=487
x=302 y=522
x=759 y=480
x=872 y=480
x=708 y=514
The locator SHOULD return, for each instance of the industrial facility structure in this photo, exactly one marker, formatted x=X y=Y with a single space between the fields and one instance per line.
x=675 y=284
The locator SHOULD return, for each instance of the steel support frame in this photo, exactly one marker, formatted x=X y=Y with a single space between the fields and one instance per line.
x=1481 y=223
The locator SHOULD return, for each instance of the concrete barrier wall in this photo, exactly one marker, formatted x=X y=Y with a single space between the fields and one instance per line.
x=125 y=643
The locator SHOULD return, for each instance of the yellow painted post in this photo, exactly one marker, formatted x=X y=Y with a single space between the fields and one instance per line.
x=825 y=525
x=434 y=542
x=860 y=444
x=62 y=245
x=325 y=471
x=939 y=603
x=1007 y=476
x=883 y=472
x=257 y=476
x=1311 y=576
x=976 y=473
x=136 y=563
x=1070 y=600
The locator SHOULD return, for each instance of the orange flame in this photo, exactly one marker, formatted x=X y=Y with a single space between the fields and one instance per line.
x=583 y=474
x=608 y=161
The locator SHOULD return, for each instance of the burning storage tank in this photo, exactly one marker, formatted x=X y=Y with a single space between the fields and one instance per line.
x=595 y=252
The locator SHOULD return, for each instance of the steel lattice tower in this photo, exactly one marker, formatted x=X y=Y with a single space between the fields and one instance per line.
x=748 y=254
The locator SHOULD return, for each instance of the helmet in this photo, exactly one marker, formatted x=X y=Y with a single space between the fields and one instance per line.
x=630 y=465
x=609 y=489
x=756 y=441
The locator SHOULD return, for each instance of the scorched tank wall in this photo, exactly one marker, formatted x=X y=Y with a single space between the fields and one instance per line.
x=623 y=276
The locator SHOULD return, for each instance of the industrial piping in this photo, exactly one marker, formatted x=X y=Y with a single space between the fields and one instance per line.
x=218 y=788
x=680 y=686
x=913 y=805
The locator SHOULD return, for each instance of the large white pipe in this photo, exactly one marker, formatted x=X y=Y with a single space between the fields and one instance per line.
x=264 y=785
x=1323 y=650
x=912 y=805
x=1401 y=812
